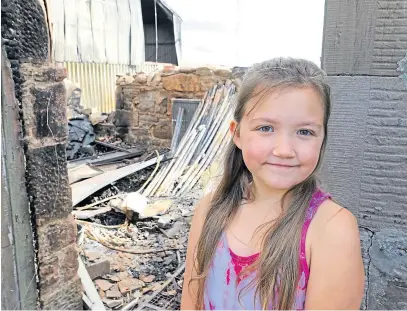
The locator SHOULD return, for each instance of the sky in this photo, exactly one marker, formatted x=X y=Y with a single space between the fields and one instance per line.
x=242 y=32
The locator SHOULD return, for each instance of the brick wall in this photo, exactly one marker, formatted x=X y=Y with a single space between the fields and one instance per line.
x=143 y=102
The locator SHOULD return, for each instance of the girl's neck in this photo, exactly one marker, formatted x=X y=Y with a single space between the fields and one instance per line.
x=263 y=193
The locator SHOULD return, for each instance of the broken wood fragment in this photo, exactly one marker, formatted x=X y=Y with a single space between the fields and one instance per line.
x=89 y=287
x=90 y=214
x=83 y=189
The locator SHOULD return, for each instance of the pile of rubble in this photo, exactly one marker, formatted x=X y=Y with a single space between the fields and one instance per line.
x=143 y=262
x=134 y=218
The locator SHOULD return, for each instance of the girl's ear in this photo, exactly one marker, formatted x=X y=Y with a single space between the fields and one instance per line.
x=234 y=131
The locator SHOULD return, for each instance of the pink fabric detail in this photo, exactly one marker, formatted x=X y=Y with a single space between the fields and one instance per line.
x=316 y=201
x=241 y=262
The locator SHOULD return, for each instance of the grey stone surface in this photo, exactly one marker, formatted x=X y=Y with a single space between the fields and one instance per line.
x=346 y=135
x=364 y=37
x=365 y=164
x=388 y=271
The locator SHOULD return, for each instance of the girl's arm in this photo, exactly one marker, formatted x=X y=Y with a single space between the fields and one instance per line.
x=336 y=268
x=189 y=292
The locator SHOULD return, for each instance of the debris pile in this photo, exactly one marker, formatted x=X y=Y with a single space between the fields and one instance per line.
x=134 y=220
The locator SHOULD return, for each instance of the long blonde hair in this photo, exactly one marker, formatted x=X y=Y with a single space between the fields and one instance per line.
x=280 y=244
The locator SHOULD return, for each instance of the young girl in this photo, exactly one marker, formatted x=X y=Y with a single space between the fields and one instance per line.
x=269 y=237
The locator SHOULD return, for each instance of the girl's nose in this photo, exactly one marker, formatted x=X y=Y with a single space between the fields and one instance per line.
x=283 y=148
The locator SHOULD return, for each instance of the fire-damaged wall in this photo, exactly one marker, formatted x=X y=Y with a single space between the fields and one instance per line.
x=144 y=102
x=40 y=94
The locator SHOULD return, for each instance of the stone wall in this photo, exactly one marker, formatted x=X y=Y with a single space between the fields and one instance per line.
x=144 y=102
x=366 y=158
x=44 y=116
x=40 y=94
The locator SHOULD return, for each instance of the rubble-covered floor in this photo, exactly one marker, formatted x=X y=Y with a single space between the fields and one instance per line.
x=139 y=276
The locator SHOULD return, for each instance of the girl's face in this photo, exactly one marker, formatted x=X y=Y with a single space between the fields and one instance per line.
x=281 y=136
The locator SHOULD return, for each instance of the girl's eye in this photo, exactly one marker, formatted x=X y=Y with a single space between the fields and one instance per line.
x=266 y=129
x=306 y=132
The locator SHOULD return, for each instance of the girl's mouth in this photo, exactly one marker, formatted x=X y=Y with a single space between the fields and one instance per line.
x=282 y=165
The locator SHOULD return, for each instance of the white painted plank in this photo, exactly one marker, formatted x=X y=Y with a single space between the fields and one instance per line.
x=123 y=8
x=111 y=31
x=137 y=50
x=71 y=30
x=98 y=28
x=57 y=20
x=85 y=38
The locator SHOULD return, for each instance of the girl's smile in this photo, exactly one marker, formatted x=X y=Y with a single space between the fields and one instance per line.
x=281 y=135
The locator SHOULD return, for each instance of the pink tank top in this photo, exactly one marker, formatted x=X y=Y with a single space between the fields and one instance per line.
x=223 y=284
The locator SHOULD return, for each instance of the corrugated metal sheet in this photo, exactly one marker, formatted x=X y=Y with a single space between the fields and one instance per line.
x=97 y=31
x=98 y=81
x=166 y=44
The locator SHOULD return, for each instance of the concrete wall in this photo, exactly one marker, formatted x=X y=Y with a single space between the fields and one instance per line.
x=144 y=103
x=365 y=166
x=40 y=95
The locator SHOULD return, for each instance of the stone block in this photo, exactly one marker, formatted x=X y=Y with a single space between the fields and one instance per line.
x=138 y=132
x=207 y=83
x=204 y=71
x=42 y=71
x=58 y=268
x=104 y=129
x=370 y=43
x=387 y=276
x=123 y=118
x=67 y=296
x=55 y=235
x=141 y=78
x=47 y=182
x=341 y=170
x=163 y=130
x=182 y=82
x=68 y=259
x=44 y=109
x=146 y=105
x=224 y=73
x=145 y=118
x=98 y=269
x=49 y=273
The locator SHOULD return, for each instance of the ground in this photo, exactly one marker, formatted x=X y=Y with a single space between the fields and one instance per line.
x=131 y=275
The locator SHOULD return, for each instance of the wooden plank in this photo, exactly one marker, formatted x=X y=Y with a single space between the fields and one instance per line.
x=83 y=171
x=10 y=298
x=14 y=170
x=71 y=30
x=98 y=29
x=137 y=49
x=85 y=37
x=83 y=189
x=111 y=30
x=89 y=287
x=57 y=20
x=123 y=33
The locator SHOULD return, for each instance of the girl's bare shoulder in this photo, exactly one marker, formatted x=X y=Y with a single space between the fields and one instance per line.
x=333 y=222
